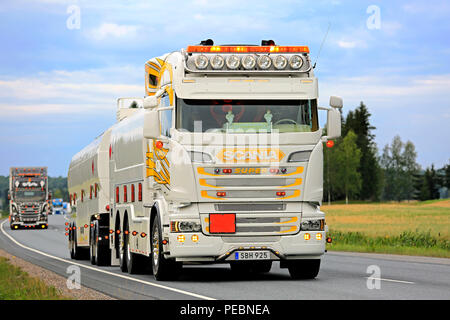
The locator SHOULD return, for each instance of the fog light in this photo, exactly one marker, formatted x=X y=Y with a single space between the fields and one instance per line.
x=307 y=236
x=181 y=238
x=194 y=238
x=319 y=236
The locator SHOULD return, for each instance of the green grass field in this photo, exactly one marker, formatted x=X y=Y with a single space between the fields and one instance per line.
x=16 y=284
x=417 y=228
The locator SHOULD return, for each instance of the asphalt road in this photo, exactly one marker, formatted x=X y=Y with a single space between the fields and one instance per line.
x=342 y=276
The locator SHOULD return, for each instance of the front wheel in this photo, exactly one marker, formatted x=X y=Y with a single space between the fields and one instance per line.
x=163 y=269
x=304 y=269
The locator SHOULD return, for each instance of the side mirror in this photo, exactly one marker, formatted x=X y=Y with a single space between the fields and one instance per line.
x=152 y=128
x=150 y=102
x=333 y=123
x=336 y=102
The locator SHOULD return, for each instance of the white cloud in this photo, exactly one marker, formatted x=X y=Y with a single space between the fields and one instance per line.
x=108 y=30
x=69 y=92
x=346 y=44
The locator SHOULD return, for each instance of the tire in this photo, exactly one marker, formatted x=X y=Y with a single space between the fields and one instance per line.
x=304 y=269
x=133 y=260
x=123 y=248
x=71 y=251
x=78 y=253
x=163 y=269
x=93 y=249
x=103 y=253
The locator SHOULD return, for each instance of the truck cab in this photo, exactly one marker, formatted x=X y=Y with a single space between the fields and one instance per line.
x=28 y=193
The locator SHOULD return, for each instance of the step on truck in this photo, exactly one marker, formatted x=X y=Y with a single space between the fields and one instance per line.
x=28 y=197
x=220 y=162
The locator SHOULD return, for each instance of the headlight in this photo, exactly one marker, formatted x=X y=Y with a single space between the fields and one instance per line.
x=299 y=156
x=201 y=62
x=185 y=226
x=280 y=62
x=296 y=62
x=217 y=62
x=264 y=62
x=313 y=225
x=248 y=62
x=197 y=156
x=233 y=62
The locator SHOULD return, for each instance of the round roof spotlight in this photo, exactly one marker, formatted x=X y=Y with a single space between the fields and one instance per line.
x=264 y=62
x=280 y=62
x=233 y=62
x=248 y=62
x=201 y=62
x=296 y=62
x=217 y=62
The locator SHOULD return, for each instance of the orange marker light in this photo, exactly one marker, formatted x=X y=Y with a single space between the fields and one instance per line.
x=330 y=143
x=307 y=236
x=159 y=144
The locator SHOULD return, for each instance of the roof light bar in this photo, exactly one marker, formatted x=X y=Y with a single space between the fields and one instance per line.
x=247 y=49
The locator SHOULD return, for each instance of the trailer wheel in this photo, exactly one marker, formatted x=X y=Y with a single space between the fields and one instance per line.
x=78 y=252
x=93 y=249
x=123 y=244
x=103 y=253
x=304 y=269
x=163 y=269
x=71 y=242
x=133 y=260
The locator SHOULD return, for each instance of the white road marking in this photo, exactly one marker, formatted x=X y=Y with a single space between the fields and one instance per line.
x=104 y=271
x=391 y=280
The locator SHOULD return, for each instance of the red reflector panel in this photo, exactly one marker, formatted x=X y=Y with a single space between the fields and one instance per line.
x=222 y=223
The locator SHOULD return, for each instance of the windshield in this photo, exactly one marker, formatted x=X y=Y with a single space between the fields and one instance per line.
x=252 y=116
x=30 y=195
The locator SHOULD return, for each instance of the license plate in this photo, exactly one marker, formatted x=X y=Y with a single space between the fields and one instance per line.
x=251 y=255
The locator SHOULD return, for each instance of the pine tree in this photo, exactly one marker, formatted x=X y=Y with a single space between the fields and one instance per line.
x=358 y=121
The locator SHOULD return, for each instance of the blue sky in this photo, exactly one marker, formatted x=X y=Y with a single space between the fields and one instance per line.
x=58 y=86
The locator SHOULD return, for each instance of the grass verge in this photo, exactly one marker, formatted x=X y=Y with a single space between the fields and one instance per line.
x=416 y=228
x=407 y=243
x=16 y=284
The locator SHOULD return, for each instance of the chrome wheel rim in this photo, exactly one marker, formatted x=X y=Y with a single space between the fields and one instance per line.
x=155 y=248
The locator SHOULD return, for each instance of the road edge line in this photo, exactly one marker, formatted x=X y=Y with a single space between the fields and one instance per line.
x=103 y=271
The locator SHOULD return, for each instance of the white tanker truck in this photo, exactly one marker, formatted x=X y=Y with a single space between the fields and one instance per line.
x=220 y=162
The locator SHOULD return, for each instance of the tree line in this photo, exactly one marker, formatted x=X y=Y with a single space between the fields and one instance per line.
x=353 y=168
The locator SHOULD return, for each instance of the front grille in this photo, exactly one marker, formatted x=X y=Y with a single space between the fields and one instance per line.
x=250 y=207
x=246 y=182
x=250 y=239
x=258 y=224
